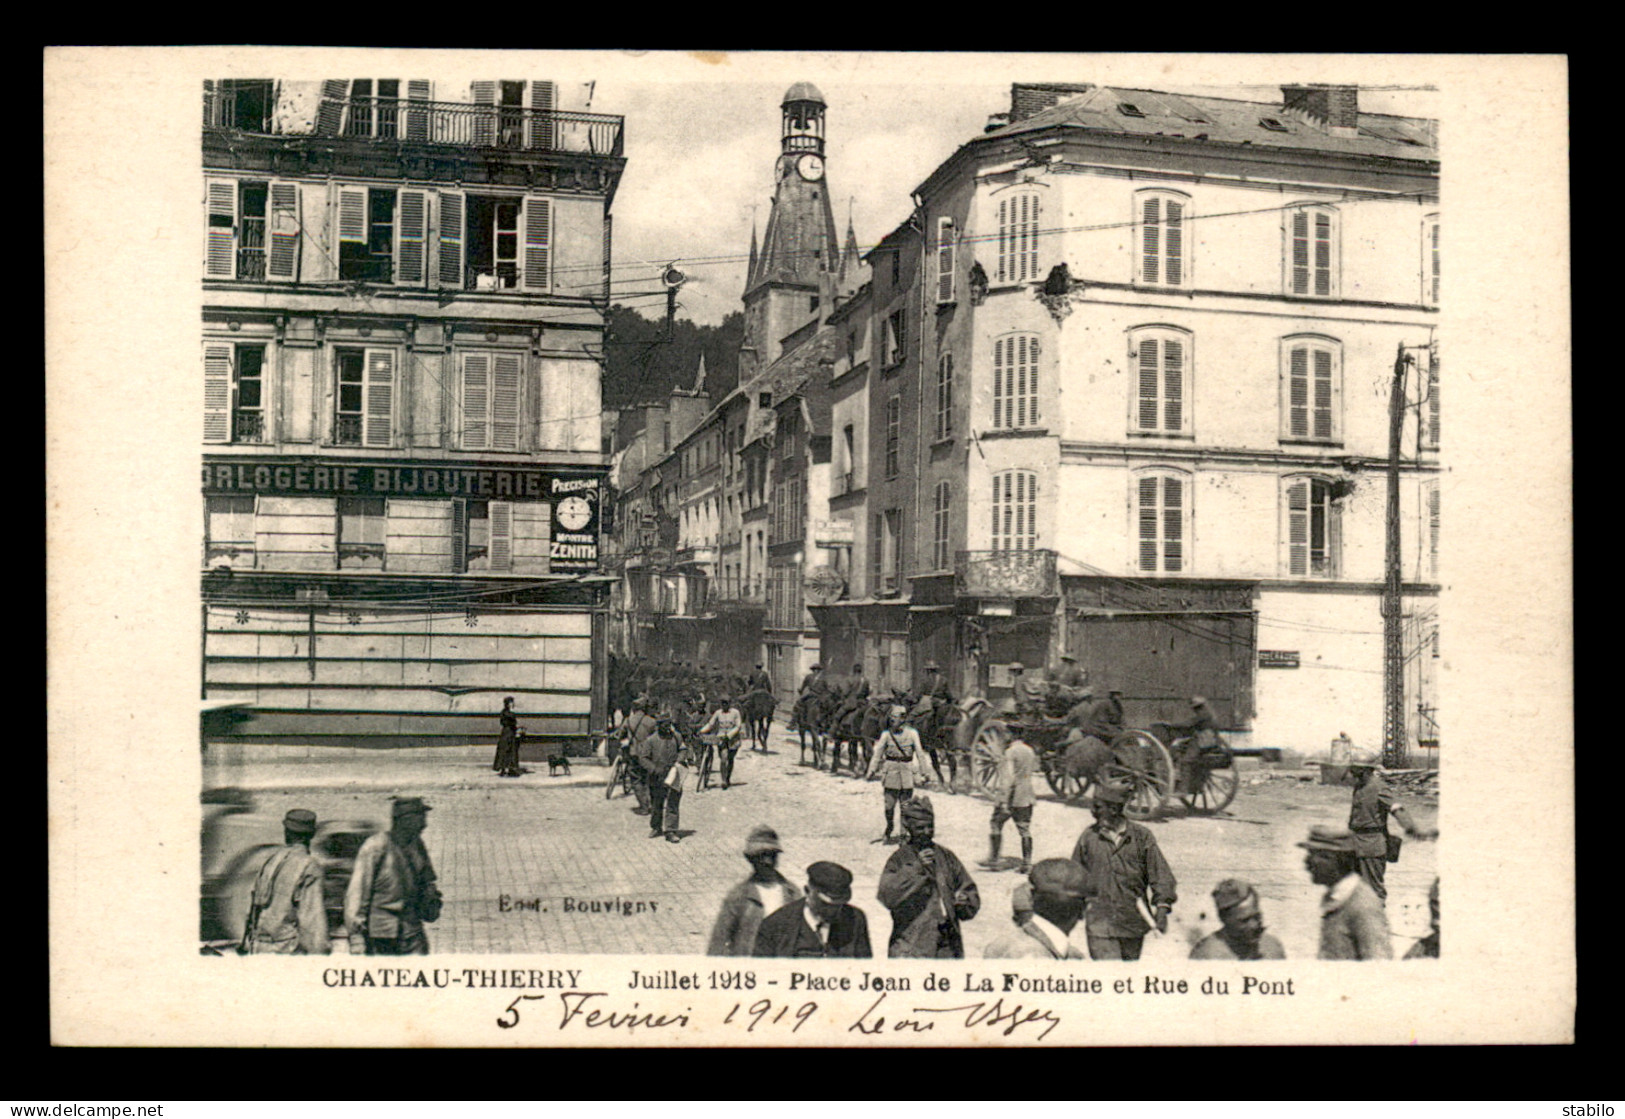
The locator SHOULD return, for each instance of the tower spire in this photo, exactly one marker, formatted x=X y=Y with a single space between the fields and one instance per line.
x=699 y=375
x=750 y=272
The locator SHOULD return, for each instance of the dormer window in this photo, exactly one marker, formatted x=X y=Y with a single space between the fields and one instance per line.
x=1271 y=124
x=1129 y=110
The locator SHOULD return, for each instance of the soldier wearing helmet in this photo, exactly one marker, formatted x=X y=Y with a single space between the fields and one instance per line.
x=899 y=759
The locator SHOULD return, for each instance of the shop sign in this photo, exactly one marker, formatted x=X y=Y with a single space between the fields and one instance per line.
x=348 y=478
x=1277 y=658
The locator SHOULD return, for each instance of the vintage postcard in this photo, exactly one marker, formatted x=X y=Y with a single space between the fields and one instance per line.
x=769 y=549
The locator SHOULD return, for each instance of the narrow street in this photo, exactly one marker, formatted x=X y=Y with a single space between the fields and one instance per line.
x=540 y=864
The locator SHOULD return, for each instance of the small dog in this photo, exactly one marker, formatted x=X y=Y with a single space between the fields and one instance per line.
x=556 y=762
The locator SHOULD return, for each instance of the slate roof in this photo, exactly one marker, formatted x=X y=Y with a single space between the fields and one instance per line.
x=1225 y=120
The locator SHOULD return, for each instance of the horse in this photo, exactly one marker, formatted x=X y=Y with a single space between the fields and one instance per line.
x=936 y=722
x=861 y=727
x=811 y=716
x=757 y=708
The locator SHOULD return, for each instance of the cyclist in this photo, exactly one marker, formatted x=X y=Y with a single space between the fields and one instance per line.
x=726 y=723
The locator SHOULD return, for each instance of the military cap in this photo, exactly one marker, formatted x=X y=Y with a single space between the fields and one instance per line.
x=1231 y=893
x=816 y=667
x=408 y=806
x=1017 y=666
x=761 y=840
x=1114 y=793
x=919 y=808
x=1326 y=837
x=1069 y=658
x=931 y=666
x=1198 y=701
x=301 y=820
x=832 y=880
x=1058 y=878
x=897 y=711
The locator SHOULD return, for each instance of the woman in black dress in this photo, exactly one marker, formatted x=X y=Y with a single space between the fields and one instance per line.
x=507 y=759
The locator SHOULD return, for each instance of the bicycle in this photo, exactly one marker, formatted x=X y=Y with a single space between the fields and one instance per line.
x=620 y=773
x=707 y=751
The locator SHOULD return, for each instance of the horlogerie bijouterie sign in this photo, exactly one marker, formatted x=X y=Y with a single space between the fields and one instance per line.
x=342 y=478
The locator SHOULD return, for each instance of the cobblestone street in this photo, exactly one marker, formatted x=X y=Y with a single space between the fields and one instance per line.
x=543 y=864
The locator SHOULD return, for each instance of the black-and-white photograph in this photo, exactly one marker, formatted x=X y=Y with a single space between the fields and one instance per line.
x=1082 y=512
x=789 y=508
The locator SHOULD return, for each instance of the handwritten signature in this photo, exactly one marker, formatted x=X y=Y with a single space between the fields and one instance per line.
x=983 y=1014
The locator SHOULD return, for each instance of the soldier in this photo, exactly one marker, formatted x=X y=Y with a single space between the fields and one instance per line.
x=821 y=924
x=1026 y=697
x=663 y=750
x=1070 y=675
x=854 y=696
x=1368 y=820
x=760 y=681
x=1123 y=864
x=927 y=890
x=392 y=890
x=636 y=728
x=898 y=758
x=765 y=891
x=726 y=723
x=1014 y=799
x=1057 y=899
x=285 y=912
x=941 y=701
x=1353 y=925
x=1199 y=731
x=1243 y=936
x=1428 y=947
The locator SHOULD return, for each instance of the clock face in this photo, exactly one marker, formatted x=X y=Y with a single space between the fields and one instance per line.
x=575 y=513
x=811 y=167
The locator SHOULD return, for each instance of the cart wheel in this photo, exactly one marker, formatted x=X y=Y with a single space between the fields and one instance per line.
x=986 y=751
x=1218 y=785
x=1142 y=762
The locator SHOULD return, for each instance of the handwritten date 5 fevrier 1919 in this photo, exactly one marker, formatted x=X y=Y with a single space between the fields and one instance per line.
x=598 y=1010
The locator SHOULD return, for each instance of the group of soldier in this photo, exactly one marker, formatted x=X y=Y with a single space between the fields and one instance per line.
x=680 y=686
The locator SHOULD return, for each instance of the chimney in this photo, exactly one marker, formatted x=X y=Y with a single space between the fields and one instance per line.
x=1030 y=98
x=1335 y=108
x=996 y=121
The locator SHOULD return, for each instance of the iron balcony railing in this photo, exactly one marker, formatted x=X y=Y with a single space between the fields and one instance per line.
x=450 y=123
x=247 y=427
x=1029 y=573
x=347 y=430
x=732 y=589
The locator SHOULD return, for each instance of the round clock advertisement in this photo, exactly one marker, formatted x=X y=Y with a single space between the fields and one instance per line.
x=575 y=524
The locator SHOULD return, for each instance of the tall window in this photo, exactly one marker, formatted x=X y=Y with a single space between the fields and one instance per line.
x=891 y=529
x=945 y=396
x=848 y=479
x=364 y=400
x=896 y=337
x=1430 y=414
x=491 y=401
x=1018 y=238
x=1313 y=531
x=1311 y=389
x=234 y=393
x=1161 y=358
x=945 y=260
x=367 y=234
x=1015 y=381
x=1430 y=260
x=1432 y=492
x=361 y=532
x=253 y=230
x=877 y=531
x=1164 y=256
x=894 y=434
x=941 y=560
x=1015 y=511
x=1312 y=251
x=1162 y=511
x=229 y=531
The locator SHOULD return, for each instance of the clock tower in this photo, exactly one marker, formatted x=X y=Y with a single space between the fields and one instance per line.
x=792 y=279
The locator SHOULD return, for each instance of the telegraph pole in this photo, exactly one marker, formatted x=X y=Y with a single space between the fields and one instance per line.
x=1393 y=646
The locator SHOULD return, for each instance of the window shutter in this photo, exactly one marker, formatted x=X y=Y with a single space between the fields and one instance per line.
x=217 y=393
x=1032 y=236
x=1433 y=403
x=609 y=240
x=1334 y=533
x=1148 y=523
x=501 y=543
x=1323 y=254
x=1297 y=528
x=1433 y=530
x=1148 y=384
x=1150 y=248
x=1173 y=524
x=459 y=534
x=330 y=112
x=282 y=262
x=543 y=97
x=1173 y=385
x=999 y=391
x=1004 y=240
x=485 y=118
x=505 y=402
x=417 y=116
x=451 y=240
x=1300 y=252
x=1298 y=393
x=220 y=245
x=476 y=400
x=1022 y=364
x=353 y=214
x=945 y=260
x=1174 y=244
x=538 y=239
x=1323 y=394
x=380 y=407
x=411 y=224
x=1434 y=285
